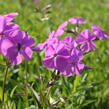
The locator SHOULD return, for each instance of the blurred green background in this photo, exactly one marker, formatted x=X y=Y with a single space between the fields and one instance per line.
x=92 y=86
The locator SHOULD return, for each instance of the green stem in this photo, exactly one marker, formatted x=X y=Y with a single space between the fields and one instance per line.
x=76 y=82
x=4 y=82
x=26 y=72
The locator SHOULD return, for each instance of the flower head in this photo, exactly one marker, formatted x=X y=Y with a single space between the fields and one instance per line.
x=69 y=42
x=66 y=55
x=56 y=56
x=16 y=46
x=74 y=65
x=6 y=28
x=85 y=39
x=99 y=33
x=77 y=20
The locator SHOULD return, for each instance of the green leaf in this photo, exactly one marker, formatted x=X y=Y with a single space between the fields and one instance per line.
x=13 y=90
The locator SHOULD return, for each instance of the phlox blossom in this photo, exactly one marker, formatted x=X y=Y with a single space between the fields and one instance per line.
x=74 y=64
x=86 y=39
x=6 y=28
x=77 y=20
x=56 y=56
x=16 y=46
x=99 y=33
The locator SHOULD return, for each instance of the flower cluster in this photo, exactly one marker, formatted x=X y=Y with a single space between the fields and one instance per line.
x=66 y=55
x=14 y=42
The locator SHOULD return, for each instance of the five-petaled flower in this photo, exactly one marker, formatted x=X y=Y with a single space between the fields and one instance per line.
x=99 y=33
x=74 y=65
x=86 y=39
x=69 y=42
x=6 y=28
x=56 y=56
x=77 y=20
x=16 y=46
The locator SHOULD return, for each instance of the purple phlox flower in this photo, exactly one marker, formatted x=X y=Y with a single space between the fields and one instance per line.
x=51 y=40
x=56 y=56
x=6 y=28
x=16 y=46
x=99 y=33
x=74 y=65
x=61 y=29
x=77 y=20
x=10 y=17
x=85 y=39
x=70 y=42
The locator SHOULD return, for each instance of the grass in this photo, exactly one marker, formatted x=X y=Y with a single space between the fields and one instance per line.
x=88 y=91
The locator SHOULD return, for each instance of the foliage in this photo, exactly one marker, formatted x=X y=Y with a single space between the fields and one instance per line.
x=27 y=84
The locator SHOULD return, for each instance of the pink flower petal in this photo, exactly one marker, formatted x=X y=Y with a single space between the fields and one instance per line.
x=5 y=45
x=49 y=62
x=68 y=71
x=50 y=51
x=17 y=60
x=61 y=63
x=10 y=17
x=2 y=24
x=27 y=53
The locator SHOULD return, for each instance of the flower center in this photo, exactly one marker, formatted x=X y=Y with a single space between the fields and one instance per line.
x=73 y=63
x=19 y=46
x=2 y=34
x=55 y=55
